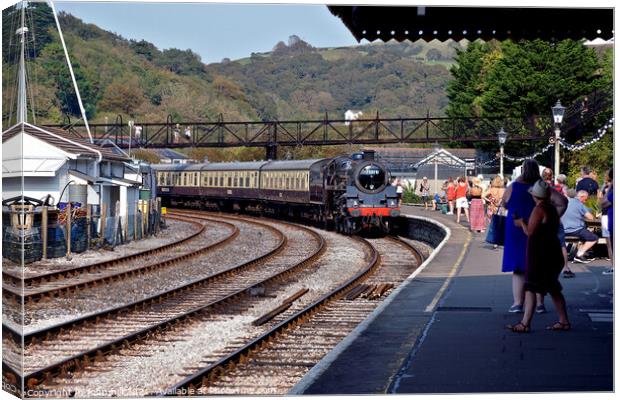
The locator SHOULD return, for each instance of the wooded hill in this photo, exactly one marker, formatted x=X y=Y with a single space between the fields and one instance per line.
x=294 y=81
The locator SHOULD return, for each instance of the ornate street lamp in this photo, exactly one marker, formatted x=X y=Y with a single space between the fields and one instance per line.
x=558 y=115
x=501 y=137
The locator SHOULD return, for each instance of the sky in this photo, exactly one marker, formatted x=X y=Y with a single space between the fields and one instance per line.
x=215 y=31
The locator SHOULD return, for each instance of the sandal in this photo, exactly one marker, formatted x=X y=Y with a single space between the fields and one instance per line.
x=568 y=274
x=519 y=327
x=558 y=326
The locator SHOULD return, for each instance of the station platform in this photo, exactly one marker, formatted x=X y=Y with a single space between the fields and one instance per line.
x=444 y=332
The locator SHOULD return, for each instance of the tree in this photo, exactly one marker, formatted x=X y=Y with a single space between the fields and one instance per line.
x=182 y=62
x=144 y=49
x=521 y=80
x=54 y=63
x=122 y=95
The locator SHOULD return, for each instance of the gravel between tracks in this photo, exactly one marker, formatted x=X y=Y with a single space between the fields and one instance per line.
x=74 y=341
x=156 y=364
x=117 y=293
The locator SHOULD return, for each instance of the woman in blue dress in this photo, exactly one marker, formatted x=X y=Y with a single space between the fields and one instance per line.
x=519 y=202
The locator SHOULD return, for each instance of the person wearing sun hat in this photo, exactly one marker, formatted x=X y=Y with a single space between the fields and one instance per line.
x=544 y=260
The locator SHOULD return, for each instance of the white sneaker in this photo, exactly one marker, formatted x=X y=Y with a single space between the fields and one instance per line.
x=449 y=213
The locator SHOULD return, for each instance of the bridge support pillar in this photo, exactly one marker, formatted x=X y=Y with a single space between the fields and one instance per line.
x=271 y=152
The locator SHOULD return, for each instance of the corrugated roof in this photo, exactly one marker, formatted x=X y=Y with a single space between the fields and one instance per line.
x=63 y=140
x=457 y=23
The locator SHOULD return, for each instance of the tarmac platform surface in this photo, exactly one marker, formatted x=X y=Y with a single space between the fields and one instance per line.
x=445 y=332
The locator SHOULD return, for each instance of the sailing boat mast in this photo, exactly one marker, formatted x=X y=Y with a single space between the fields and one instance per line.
x=21 y=85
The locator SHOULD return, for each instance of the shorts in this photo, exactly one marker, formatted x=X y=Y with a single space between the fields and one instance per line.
x=461 y=202
x=425 y=198
x=605 y=226
x=584 y=235
x=562 y=235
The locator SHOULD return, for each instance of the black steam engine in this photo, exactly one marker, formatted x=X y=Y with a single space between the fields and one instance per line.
x=348 y=193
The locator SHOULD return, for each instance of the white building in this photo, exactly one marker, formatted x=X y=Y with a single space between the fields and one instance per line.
x=50 y=159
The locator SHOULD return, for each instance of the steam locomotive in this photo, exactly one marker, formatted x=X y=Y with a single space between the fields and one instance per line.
x=348 y=193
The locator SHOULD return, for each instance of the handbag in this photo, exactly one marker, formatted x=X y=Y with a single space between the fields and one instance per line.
x=497 y=229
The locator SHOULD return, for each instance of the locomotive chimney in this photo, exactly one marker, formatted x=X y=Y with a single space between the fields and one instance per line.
x=368 y=155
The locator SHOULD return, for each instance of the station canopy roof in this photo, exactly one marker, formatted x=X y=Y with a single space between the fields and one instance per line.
x=412 y=23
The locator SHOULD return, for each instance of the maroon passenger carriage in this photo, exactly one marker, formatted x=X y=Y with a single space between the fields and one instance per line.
x=350 y=193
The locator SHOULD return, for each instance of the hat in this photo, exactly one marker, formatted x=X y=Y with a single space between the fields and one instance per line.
x=540 y=189
x=425 y=178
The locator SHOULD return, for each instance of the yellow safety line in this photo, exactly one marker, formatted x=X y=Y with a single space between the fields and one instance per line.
x=441 y=291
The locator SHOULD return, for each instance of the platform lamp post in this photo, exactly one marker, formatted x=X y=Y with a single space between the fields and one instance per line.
x=130 y=123
x=558 y=115
x=436 y=148
x=501 y=137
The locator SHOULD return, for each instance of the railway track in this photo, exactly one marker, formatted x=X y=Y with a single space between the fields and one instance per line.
x=120 y=292
x=274 y=362
x=70 y=281
x=110 y=332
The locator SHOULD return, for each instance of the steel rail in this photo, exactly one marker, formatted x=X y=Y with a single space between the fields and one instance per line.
x=63 y=366
x=188 y=385
x=72 y=288
x=72 y=272
x=48 y=331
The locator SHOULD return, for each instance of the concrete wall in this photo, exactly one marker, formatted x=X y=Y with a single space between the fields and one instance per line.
x=421 y=229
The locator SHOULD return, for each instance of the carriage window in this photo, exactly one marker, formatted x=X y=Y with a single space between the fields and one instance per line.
x=247 y=181
x=221 y=180
x=229 y=181
x=195 y=178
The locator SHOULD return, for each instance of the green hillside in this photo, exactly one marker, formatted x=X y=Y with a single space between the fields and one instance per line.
x=293 y=81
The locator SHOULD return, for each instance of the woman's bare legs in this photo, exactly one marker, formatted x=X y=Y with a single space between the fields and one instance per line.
x=518 y=280
x=528 y=308
x=560 y=306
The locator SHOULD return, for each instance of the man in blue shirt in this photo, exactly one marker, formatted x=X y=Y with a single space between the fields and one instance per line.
x=587 y=183
x=574 y=221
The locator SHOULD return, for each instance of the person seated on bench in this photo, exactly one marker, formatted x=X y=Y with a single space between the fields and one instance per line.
x=440 y=198
x=574 y=221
